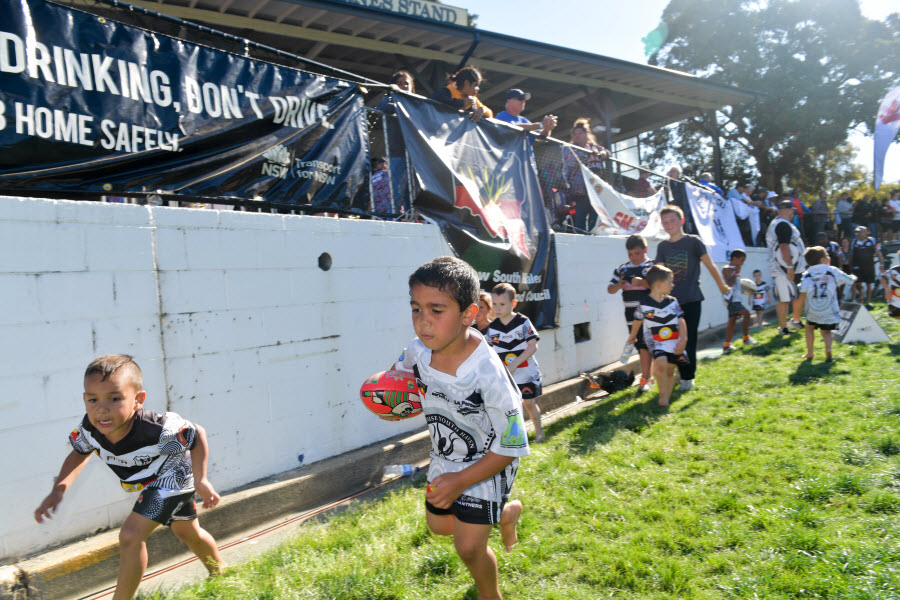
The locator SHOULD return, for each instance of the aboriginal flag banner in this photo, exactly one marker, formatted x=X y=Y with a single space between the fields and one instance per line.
x=91 y=105
x=479 y=184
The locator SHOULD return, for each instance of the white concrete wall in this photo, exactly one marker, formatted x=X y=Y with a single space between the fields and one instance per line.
x=235 y=327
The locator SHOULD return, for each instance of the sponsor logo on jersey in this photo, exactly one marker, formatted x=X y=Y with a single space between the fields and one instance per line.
x=514 y=434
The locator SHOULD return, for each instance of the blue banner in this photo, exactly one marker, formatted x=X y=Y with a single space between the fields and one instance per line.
x=91 y=105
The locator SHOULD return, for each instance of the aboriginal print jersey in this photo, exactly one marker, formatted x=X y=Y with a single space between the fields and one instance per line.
x=478 y=409
x=511 y=340
x=660 y=322
x=761 y=295
x=792 y=237
x=893 y=284
x=631 y=294
x=153 y=454
x=820 y=284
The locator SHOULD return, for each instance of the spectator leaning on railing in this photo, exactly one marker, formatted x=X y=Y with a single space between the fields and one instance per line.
x=515 y=106
x=462 y=93
x=399 y=183
x=585 y=149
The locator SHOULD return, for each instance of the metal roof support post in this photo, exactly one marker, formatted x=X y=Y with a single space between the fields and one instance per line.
x=475 y=41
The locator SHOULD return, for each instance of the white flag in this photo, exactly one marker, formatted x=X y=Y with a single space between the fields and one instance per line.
x=886 y=125
x=715 y=222
x=623 y=215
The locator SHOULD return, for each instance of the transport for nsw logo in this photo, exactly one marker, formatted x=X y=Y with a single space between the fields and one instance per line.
x=278 y=161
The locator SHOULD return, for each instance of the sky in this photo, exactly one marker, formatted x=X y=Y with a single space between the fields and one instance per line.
x=615 y=28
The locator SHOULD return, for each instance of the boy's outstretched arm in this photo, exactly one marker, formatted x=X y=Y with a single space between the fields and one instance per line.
x=70 y=469
x=199 y=455
x=635 y=327
x=447 y=488
x=711 y=267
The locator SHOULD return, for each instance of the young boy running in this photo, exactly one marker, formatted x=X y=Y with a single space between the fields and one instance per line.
x=818 y=292
x=629 y=277
x=760 y=297
x=664 y=328
x=474 y=413
x=890 y=281
x=161 y=456
x=513 y=337
x=731 y=274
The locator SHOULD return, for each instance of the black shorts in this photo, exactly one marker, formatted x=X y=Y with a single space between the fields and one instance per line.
x=681 y=360
x=735 y=308
x=759 y=308
x=639 y=343
x=865 y=273
x=164 y=510
x=529 y=390
x=894 y=311
x=895 y=225
x=823 y=326
x=469 y=509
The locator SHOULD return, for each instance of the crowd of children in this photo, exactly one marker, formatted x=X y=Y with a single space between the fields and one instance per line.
x=474 y=358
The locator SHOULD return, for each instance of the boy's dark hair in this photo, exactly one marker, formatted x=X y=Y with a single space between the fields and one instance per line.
x=657 y=273
x=671 y=208
x=635 y=240
x=738 y=253
x=452 y=275
x=505 y=288
x=755 y=271
x=814 y=255
x=108 y=364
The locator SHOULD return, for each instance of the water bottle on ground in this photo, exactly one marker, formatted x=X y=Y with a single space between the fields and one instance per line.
x=394 y=471
x=627 y=351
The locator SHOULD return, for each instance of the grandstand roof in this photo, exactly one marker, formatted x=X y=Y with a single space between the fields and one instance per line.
x=628 y=97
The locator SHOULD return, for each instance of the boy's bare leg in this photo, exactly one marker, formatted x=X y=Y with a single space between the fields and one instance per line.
x=508 y=522
x=746 y=323
x=132 y=554
x=729 y=329
x=810 y=341
x=440 y=524
x=646 y=364
x=534 y=413
x=798 y=308
x=826 y=337
x=781 y=309
x=471 y=543
x=664 y=378
x=201 y=544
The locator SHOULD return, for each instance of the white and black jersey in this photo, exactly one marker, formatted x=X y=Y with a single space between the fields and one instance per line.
x=760 y=296
x=781 y=231
x=153 y=454
x=820 y=283
x=511 y=340
x=660 y=322
x=892 y=276
x=631 y=294
x=476 y=411
x=862 y=252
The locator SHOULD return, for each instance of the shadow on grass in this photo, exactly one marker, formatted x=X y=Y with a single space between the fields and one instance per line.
x=808 y=371
x=597 y=425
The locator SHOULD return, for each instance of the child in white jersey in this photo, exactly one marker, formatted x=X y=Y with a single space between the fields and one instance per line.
x=760 y=297
x=818 y=293
x=890 y=281
x=473 y=409
x=665 y=330
x=513 y=337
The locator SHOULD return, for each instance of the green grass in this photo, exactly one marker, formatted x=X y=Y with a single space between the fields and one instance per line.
x=773 y=479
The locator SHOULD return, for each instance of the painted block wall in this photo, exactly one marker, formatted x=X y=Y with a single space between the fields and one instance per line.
x=236 y=327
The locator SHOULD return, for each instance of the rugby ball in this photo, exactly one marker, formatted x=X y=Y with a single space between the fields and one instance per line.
x=748 y=286
x=392 y=395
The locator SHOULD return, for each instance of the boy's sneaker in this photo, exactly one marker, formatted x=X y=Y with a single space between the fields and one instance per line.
x=792 y=324
x=726 y=349
x=645 y=385
x=686 y=384
x=785 y=331
x=750 y=341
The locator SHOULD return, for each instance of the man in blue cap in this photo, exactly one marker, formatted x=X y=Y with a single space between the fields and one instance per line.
x=515 y=106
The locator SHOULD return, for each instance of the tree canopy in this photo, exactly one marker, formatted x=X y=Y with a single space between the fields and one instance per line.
x=820 y=67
